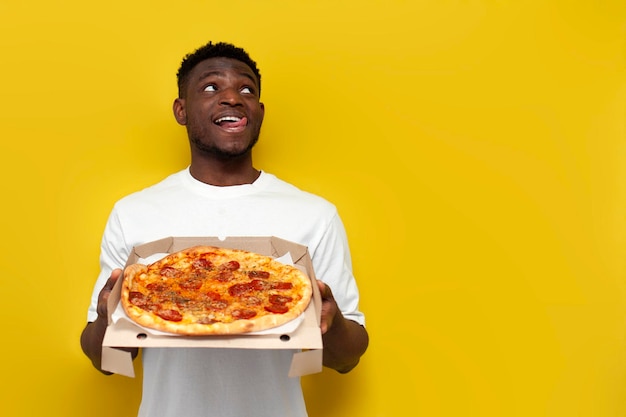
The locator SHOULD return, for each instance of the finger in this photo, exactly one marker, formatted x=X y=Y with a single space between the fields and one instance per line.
x=106 y=291
x=108 y=286
x=115 y=274
x=325 y=291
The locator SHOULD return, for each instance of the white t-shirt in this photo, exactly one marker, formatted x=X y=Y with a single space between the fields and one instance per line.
x=227 y=382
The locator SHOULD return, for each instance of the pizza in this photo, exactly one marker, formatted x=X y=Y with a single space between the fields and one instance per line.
x=208 y=290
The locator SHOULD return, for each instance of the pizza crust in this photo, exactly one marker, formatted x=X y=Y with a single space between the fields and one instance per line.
x=135 y=275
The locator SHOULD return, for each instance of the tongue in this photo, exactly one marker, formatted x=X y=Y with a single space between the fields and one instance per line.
x=240 y=123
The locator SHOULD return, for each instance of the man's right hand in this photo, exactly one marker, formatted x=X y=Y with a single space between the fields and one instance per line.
x=93 y=334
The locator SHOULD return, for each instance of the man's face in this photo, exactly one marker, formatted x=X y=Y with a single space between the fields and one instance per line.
x=221 y=108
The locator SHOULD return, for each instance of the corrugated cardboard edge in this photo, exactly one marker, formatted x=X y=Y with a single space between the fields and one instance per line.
x=307 y=336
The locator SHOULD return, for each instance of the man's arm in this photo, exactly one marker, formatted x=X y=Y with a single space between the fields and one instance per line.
x=93 y=334
x=345 y=341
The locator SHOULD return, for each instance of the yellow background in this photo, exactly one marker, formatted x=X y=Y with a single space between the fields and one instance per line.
x=474 y=148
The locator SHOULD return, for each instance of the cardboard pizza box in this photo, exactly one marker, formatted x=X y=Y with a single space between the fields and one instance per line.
x=306 y=338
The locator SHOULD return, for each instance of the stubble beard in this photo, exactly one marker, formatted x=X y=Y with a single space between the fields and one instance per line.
x=221 y=153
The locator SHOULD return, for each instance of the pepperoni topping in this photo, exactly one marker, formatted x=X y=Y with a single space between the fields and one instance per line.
x=243 y=314
x=259 y=285
x=229 y=266
x=212 y=295
x=259 y=274
x=202 y=264
x=279 y=299
x=170 y=315
x=138 y=299
x=277 y=308
x=155 y=286
x=278 y=304
x=239 y=289
x=247 y=287
x=170 y=272
x=282 y=285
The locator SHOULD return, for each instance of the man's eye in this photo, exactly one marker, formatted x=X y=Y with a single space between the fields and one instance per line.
x=210 y=87
x=246 y=90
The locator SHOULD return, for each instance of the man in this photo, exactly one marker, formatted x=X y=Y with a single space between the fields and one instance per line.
x=223 y=194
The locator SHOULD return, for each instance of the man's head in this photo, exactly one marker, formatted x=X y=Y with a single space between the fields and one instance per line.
x=213 y=50
x=219 y=102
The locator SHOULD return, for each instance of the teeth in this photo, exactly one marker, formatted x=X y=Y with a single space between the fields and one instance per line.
x=228 y=119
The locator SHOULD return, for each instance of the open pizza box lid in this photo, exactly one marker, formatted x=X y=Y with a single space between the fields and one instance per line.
x=305 y=336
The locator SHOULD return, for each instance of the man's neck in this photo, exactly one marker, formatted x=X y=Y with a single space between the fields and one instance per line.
x=224 y=175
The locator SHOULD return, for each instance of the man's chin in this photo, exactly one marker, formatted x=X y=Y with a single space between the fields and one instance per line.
x=229 y=155
x=225 y=153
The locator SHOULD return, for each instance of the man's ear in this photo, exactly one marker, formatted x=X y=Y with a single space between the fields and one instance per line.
x=179 y=111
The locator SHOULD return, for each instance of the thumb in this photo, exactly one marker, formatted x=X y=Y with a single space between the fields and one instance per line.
x=106 y=291
x=325 y=291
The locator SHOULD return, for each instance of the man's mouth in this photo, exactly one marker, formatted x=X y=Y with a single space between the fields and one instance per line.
x=231 y=122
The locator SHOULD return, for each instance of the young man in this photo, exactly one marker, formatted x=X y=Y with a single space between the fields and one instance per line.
x=223 y=194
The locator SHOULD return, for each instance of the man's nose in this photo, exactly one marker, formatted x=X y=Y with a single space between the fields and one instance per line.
x=230 y=96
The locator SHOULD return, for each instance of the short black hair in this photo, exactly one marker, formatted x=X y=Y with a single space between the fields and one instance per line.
x=213 y=50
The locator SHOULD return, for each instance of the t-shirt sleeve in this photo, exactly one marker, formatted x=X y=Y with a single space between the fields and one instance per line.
x=333 y=265
x=113 y=254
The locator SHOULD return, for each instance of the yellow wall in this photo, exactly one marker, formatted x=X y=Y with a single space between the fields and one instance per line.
x=475 y=149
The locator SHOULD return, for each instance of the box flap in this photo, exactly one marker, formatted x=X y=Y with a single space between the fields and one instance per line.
x=117 y=361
